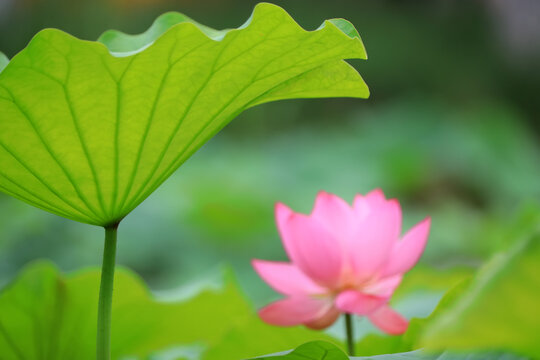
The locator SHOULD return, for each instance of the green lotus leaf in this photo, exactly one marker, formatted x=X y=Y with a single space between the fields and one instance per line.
x=47 y=315
x=88 y=130
x=320 y=350
x=256 y=338
x=502 y=298
x=315 y=350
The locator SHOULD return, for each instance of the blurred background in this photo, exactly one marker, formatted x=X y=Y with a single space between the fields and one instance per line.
x=451 y=130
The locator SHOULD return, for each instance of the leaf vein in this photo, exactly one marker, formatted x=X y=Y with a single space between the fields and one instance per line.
x=40 y=179
x=40 y=202
x=84 y=146
x=49 y=151
x=147 y=129
x=116 y=135
x=173 y=165
x=186 y=112
x=11 y=343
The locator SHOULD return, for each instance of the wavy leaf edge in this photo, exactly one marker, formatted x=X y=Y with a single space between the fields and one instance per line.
x=344 y=26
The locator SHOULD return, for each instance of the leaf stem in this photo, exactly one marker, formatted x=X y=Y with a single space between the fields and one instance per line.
x=106 y=293
x=350 y=334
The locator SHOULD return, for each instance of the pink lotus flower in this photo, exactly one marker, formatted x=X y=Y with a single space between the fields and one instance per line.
x=344 y=260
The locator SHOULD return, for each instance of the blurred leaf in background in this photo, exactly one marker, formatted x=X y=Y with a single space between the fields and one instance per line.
x=315 y=350
x=45 y=315
x=319 y=350
x=500 y=311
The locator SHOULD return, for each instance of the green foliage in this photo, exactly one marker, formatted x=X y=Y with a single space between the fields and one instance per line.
x=47 y=316
x=448 y=355
x=315 y=350
x=319 y=350
x=423 y=278
x=500 y=310
x=89 y=131
x=3 y=61
x=257 y=338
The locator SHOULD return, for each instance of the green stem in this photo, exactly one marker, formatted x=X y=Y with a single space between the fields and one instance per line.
x=350 y=334
x=105 y=294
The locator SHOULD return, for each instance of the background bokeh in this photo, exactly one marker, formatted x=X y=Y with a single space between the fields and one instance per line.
x=451 y=130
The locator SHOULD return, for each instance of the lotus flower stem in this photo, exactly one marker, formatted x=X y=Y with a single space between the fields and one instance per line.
x=350 y=334
x=106 y=293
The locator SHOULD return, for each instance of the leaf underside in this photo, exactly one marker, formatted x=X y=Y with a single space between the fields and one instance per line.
x=88 y=130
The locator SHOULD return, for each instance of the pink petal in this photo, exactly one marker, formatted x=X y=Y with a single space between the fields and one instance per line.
x=334 y=213
x=356 y=302
x=361 y=207
x=295 y=311
x=324 y=321
x=286 y=278
x=392 y=208
x=389 y=321
x=374 y=238
x=375 y=198
x=384 y=287
x=406 y=252
x=283 y=213
x=313 y=249
x=371 y=199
